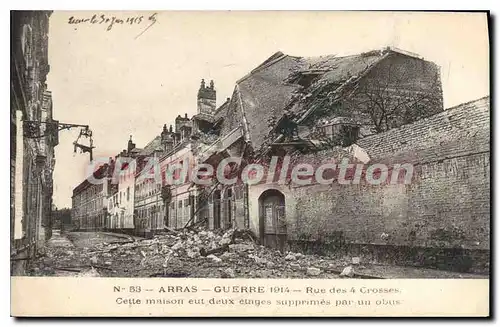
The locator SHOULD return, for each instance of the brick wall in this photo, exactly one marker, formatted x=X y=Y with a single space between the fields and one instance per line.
x=446 y=205
x=410 y=89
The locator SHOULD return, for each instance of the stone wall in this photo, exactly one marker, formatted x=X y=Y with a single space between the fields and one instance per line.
x=445 y=205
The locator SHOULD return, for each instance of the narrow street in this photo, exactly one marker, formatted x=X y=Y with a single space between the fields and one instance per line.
x=64 y=255
x=200 y=254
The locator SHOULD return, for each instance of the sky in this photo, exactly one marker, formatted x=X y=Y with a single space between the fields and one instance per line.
x=133 y=78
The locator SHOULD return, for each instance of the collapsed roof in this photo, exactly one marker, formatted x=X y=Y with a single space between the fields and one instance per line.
x=296 y=86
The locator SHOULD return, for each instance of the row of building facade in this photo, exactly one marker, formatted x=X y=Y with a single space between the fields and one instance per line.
x=33 y=137
x=382 y=106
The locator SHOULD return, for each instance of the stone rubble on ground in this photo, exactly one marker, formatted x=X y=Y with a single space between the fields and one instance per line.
x=214 y=258
x=241 y=247
x=313 y=271
x=347 y=272
x=228 y=273
x=93 y=260
x=190 y=253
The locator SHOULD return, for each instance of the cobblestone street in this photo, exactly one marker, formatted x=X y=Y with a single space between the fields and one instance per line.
x=202 y=254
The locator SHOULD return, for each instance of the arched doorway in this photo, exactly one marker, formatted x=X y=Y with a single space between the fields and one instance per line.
x=272 y=219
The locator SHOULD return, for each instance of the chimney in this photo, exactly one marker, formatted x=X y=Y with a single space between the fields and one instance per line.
x=167 y=138
x=130 y=145
x=207 y=98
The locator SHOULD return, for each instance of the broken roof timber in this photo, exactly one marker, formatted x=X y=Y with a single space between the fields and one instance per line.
x=343 y=85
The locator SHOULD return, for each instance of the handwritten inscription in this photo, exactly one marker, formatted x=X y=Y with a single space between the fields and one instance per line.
x=110 y=21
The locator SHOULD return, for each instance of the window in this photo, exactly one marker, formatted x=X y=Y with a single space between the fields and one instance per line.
x=177 y=173
x=341 y=134
x=328 y=131
x=128 y=193
x=350 y=135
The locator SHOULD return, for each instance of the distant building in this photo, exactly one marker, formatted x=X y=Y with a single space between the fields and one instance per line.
x=113 y=213
x=179 y=196
x=89 y=203
x=121 y=201
x=173 y=202
x=148 y=208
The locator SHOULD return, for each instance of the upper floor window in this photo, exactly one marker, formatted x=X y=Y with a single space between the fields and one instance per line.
x=341 y=130
x=349 y=135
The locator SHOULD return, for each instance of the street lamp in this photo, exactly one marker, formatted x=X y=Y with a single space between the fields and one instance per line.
x=32 y=130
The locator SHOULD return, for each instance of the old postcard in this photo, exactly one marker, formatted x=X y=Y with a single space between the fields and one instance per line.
x=228 y=163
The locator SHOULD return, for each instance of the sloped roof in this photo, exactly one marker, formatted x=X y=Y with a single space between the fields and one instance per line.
x=232 y=114
x=297 y=86
x=99 y=173
x=221 y=112
x=264 y=95
x=153 y=145
x=268 y=90
x=341 y=68
x=336 y=73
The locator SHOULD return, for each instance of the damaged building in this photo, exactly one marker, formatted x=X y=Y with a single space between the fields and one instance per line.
x=89 y=202
x=379 y=107
x=289 y=103
x=33 y=136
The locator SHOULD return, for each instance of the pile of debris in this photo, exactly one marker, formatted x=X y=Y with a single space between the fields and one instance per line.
x=194 y=253
x=229 y=254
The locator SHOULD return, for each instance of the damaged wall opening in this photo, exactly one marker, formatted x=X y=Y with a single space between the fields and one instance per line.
x=272 y=220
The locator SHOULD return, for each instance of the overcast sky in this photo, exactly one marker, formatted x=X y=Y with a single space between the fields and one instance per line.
x=122 y=82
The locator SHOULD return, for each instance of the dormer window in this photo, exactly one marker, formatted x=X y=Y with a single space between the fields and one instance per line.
x=342 y=131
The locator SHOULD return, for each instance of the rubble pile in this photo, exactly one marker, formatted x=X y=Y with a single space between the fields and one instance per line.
x=186 y=253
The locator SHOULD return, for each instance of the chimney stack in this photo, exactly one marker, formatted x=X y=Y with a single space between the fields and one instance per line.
x=207 y=98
